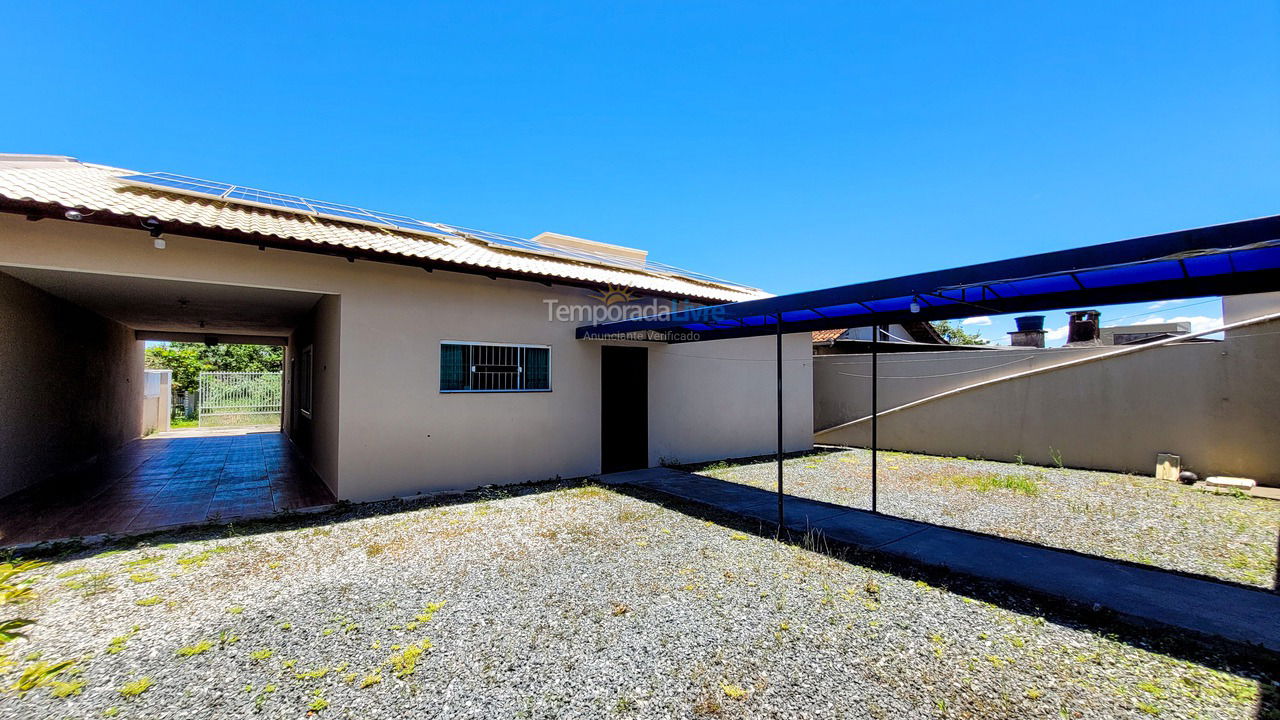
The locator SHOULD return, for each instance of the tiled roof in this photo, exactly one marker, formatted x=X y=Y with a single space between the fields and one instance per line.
x=73 y=184
x=820 y=336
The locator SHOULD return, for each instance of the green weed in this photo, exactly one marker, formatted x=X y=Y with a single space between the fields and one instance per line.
x=118 y=642
x=136 y=687
x=193 y=650
x=987 y=482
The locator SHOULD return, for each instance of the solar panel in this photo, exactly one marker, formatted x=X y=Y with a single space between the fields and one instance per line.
x=181 y=182
x=295 y=203
x=351 y=213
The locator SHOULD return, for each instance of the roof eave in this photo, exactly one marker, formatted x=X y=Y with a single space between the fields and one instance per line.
x=34 y=210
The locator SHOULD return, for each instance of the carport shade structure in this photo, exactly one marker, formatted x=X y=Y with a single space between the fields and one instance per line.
x=1230 y=259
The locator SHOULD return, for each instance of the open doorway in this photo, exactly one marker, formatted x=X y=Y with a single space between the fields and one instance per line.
x=624 y=408
x=79 y=459
x=222 y=386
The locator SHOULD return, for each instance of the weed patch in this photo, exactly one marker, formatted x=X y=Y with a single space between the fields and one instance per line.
x=988 y=482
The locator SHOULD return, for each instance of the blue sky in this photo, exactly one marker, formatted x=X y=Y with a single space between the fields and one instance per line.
x=786 y=148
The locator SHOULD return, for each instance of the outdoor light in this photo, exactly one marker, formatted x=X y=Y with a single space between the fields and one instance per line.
x=915 y=306
x=73 y=215
x=153 y=225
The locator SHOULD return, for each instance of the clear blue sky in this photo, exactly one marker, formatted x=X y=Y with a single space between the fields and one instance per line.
x=784 y=148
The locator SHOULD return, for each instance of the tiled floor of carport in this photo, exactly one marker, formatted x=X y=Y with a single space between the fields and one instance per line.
x=164 y=480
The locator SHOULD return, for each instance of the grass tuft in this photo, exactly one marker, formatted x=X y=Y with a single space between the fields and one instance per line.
x=193 y=650
x=136 y=687
x=987 y=482
x=118 y=643
x=405 y=662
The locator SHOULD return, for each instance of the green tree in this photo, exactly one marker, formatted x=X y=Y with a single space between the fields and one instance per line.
x=188 y=360
x=957 y=335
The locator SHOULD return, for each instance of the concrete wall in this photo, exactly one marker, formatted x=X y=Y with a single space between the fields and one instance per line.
x=316 y=436
x=397 y=433
x=717 y=400
x=70 y=389
x=1215 y=404
x=842 y=383
x=1243 y=307
x=157 y=396
x=153 y=415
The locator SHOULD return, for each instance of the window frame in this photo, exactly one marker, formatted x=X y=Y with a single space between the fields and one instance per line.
x=482 y=343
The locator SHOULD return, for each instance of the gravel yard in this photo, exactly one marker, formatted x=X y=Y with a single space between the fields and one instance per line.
x=572 y=602
x=1128 y=517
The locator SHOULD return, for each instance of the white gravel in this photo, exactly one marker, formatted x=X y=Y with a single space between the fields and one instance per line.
x=572 y=603
x=1128 y=517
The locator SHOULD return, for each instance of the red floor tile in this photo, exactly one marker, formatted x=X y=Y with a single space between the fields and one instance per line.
x=158 y=482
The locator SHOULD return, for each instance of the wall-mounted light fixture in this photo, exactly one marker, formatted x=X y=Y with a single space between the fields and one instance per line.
x=153 y=225
x=73 y=215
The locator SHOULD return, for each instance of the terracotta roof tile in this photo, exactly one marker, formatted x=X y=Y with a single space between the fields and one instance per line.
x=820 y=336
x=93 y=187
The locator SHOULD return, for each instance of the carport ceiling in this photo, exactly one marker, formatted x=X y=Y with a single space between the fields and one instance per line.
x=175 y=305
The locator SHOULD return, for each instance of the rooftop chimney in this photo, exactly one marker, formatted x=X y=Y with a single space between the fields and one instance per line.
x=1083 y=326
x=1030 y=332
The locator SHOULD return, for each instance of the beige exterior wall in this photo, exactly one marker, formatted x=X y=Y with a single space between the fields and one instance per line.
x=718 y=400
x=1243 y=307
x=316 y=432
x=1215 y=404
x=842 y=383
x=70 y=385
x=390 y=431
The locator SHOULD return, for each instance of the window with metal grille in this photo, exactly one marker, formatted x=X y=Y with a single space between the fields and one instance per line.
x=494 y=367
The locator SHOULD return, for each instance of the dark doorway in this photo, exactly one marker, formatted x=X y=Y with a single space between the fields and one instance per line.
x=624 y=408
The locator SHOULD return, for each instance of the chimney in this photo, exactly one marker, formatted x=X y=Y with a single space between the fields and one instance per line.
x=1030 y=332
x=1027 y=338
x=1083 y=326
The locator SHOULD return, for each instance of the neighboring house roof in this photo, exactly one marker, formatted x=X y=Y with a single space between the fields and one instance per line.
x=72 y=184
x=921 y=332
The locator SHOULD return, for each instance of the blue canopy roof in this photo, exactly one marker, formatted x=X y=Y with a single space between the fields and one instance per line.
x=1231 y=259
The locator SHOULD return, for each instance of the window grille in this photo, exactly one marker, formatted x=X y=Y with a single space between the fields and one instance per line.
x=492 y=367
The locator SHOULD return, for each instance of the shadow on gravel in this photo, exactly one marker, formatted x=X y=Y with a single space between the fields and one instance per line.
x=1248 y=662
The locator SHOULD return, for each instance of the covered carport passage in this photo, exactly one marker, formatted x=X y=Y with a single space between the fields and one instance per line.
x=71 y=406
x=1225 y=260
x=1221 y=260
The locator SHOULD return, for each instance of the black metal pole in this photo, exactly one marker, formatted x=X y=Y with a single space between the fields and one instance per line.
x=875 y=365
x=778 y=334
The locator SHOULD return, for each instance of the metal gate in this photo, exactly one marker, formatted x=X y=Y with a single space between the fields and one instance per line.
x=230 y=399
